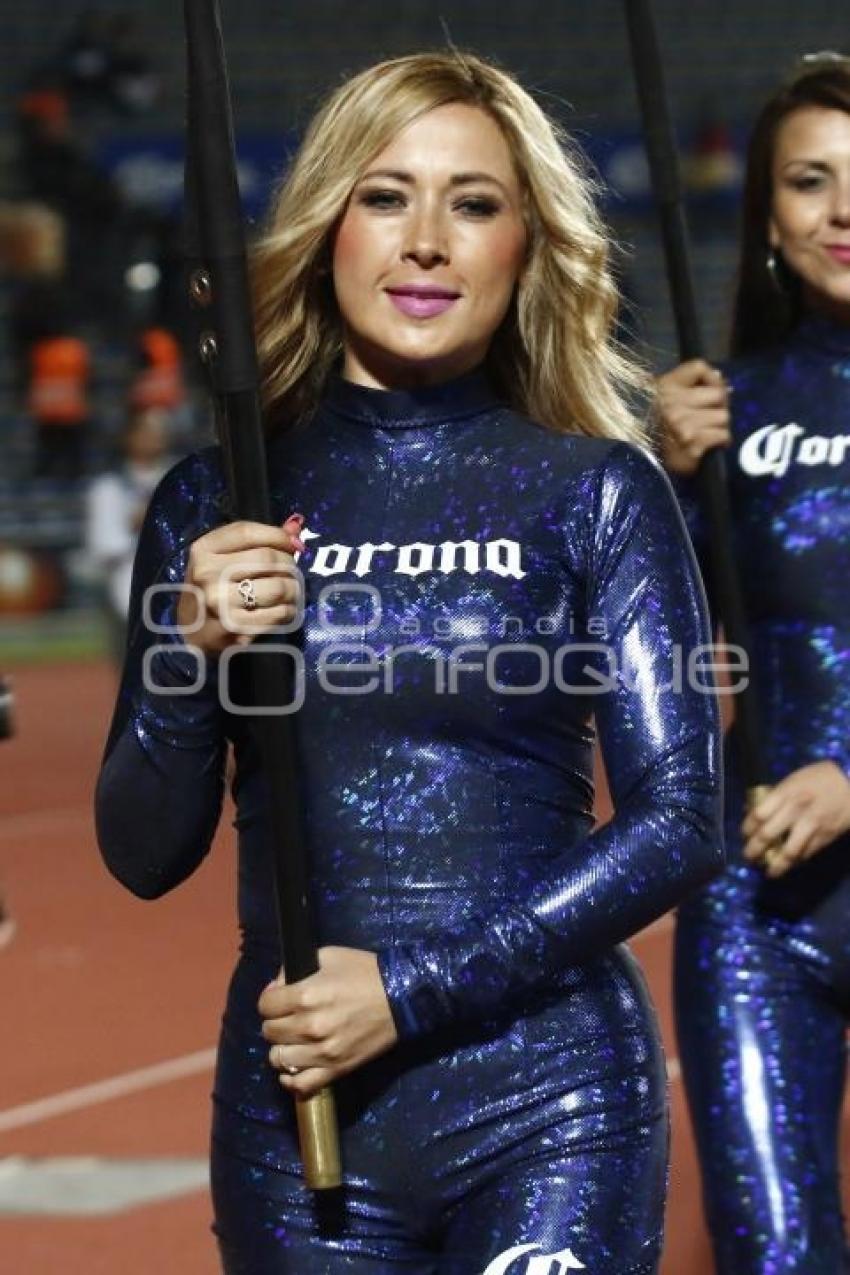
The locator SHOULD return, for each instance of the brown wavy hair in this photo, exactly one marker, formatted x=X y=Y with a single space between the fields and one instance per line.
x=554 y=357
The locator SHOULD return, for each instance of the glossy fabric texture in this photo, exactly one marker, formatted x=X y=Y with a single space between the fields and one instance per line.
x=763 y=968
x=477 y=588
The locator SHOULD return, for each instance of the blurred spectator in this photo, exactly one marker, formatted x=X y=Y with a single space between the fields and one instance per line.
x=115 y=507
x=56 y=170
x=132 y=80
x=58 y=404
x=33 y=254
x=52 y=363
x=53 y=368
x=83 y=60
x=54 y=164
x=32 y=240
x=159 y=381
x=102 y=65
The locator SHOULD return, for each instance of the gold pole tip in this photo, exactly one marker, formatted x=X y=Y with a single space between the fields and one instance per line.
x=319 y=1139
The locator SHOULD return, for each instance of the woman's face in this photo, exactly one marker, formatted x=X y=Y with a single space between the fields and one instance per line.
x=810 y=216
x=428 y=251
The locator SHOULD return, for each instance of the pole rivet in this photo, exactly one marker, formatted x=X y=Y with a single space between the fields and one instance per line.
x=200 y=288
x=208 y=347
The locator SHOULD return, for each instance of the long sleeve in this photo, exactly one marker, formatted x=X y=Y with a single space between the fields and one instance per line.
x=160 y=788
x=659 y=733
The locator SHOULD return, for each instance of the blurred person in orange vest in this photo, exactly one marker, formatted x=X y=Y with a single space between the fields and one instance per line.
x=57 y=401
x=159 y=382
x=52 y=365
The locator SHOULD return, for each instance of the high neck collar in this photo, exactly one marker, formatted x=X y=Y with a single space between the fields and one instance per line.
x=826 y=334
x=464 y=396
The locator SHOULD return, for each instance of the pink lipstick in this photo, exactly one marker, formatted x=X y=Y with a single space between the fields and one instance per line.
x=422 y=303
x=840 y=251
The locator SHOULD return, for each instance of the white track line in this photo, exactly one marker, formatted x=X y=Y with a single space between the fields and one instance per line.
x=131 y=1082
x=103 y=1090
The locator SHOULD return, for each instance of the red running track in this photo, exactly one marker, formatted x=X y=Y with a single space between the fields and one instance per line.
x=98 y=985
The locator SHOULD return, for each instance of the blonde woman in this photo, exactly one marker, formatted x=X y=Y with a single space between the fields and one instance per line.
x=491 y=563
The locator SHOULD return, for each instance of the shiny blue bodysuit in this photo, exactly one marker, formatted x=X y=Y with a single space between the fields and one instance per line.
x=478 y=590
x=763 y=967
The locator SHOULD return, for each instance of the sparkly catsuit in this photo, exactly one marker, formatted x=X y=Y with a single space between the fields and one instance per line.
x=522 y=1117
x=763 y=967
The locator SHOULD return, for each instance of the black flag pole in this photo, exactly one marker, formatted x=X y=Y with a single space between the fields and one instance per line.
x=219 y=288
x=711 y=476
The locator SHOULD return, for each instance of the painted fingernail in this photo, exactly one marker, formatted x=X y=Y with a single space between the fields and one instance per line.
x=299 y=544
x=298 y=519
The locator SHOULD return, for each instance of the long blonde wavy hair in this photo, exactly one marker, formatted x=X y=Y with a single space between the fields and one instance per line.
x=554 y=356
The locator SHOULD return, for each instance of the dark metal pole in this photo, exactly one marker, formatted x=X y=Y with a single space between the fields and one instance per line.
x=711 y=476
x=219 y=287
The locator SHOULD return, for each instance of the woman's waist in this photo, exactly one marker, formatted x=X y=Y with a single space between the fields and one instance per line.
x=579 y=1005
x=397 y=880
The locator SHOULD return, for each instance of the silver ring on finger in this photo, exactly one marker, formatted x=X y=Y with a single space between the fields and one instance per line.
x=289 y=1068
x=247 y=594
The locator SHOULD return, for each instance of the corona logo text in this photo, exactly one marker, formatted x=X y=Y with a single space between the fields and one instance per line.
x=772 y=450
x=509 y=1263
x=500 y=557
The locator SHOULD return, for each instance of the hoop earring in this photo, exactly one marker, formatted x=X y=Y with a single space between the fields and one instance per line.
x=773 y=269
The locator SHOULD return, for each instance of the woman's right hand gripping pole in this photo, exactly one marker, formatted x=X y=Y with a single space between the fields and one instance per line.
x=243 y=582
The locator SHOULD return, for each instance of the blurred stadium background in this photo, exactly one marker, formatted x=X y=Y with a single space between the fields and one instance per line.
x=92 y=330
x=90 y=190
